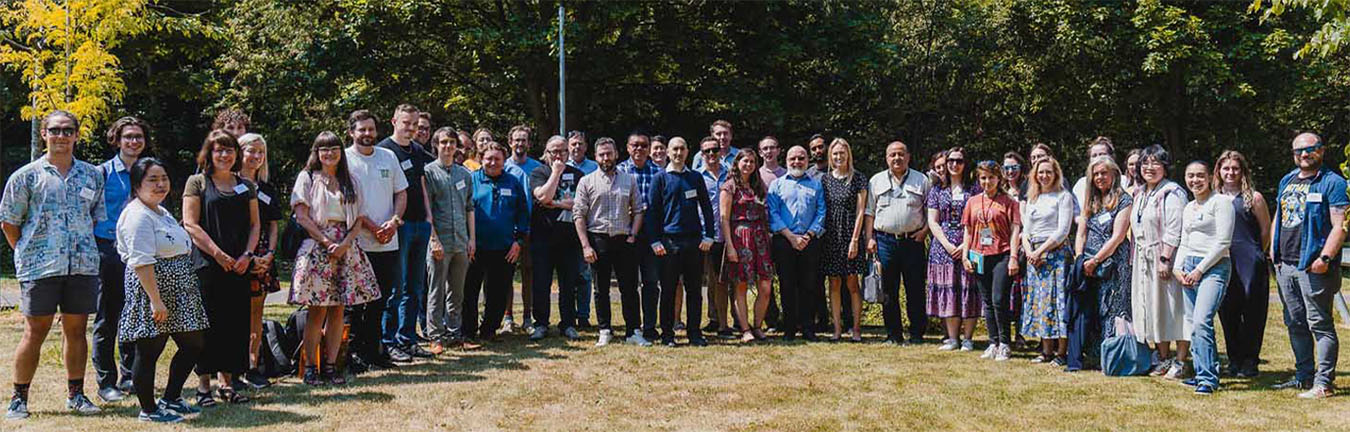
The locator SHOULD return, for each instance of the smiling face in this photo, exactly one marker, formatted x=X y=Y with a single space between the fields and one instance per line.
x=658 y=152
x=989 y=181
x=1231 y=173
x=1308 y=152
x=746 y=164
x=222 y=158
x=797 y=158
x=154 y=187
x=131 y=141
x=1012 y=170
x=235 y=128
x=768 y=149
x=956 y=163
x=447 y=146
x=520 y=143
x=1152 y=170
x=60 y=135
x=1132 y=163
x=363 y=133
x=897 y=157
x=1103 y=178
x=839 y=157
x=1045 y=175
x=493 y=162
x=677 y=151
x=255 y=156
x=723 y=135
x=1197 y=178
x=710 y=159
x=638 y=148
x=329 y=157
x=423 y=130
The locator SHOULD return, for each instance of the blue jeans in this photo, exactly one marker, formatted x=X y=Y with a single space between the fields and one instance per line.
x=584 y=293
x=401 y=307
x=1202 y=301
x=903 y=260
x=1307 y=312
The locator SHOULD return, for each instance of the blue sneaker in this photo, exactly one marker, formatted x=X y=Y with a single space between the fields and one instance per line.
x=1191 y=382
x=160 y=416
x=1205 y=390
x=179 y=406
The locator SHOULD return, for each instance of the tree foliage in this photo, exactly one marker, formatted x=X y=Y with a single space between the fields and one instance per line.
x=1334 y=15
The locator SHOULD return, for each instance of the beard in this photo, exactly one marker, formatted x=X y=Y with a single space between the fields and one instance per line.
x=606 y=166
x=818 y=159
x=365 y=141
x=796 y=172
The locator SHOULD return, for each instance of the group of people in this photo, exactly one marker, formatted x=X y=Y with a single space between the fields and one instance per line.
x=401 y=236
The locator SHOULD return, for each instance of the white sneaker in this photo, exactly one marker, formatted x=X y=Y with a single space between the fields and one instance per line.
x=990 y=351
x=571 y=333
x=948 y=345
x=1004 y=353
x=637 y=339
x=967 y=345
x=605 y=336
x=508 y=325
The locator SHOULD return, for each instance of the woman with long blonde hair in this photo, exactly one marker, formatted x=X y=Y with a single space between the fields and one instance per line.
x=1047 y=216
x=1247 y=297
x=1102 y=238
x=842 y=260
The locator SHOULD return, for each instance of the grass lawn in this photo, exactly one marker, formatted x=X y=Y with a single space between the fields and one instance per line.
x=557 y=385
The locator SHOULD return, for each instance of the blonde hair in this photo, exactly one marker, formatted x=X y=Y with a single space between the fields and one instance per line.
x=1096 y=199
x=1247 y=190
x=848 y=152
x=249 y=139
x=1056 y=184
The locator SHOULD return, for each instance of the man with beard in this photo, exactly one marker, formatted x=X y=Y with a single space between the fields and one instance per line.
x=607 y=212
x=405 y=302
x=554 y=239
x=383 y=190
x=520 y=165
x=820 y=163
x=796 y=205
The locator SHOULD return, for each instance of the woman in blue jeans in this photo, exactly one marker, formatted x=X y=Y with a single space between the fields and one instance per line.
x=1203 y=268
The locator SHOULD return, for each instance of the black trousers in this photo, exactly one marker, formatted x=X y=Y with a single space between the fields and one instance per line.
x=147 y=355
x=367 y=320
x=1084 y=323
x=614 y=255
x=490 y=274
x=995 y=291
x=649 y=273
x=561 y=254
x=798 y=284
x=1243 y=313
x=111 y=367
x=683 y=262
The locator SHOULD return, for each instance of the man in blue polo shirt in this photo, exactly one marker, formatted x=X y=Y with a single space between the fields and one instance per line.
x=797 y=218
x=1306 y=242
x=520 y=165
x=679 y=238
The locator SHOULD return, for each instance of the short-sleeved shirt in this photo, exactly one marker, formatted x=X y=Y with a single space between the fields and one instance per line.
x=116 y=195
x=224 y=213
x=999 y=215
x=586 y=166
x=522 y=171
x=450 y=194
x=380 y=178
x=56 y=217
x=608 y=202
x=897 y=204
x=411 y=160
x=1293 y=202
x=1312 y=212
x=269 y=205
x=145 y=235
x=552 y=220
x=714 y=183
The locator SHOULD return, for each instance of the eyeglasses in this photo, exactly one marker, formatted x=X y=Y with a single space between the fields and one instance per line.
x=1297 y=151
x=328 y=149
x=223 y=150
x=136 y=137
x=62 y=132
x=957 y=161
x=709 y=150
x=1013 y=167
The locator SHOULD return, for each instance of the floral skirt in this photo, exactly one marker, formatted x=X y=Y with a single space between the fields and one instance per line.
x=322 y=281
x=951 y=291
x=752 y=251
x=1045 y=300
x=181 y=293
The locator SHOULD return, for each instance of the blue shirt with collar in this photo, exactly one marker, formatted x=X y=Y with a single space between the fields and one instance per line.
x=116 y=195
x=1316 y=215
x=798 y=204
x=726 y=160
x=714 y=183
x=675 y=204
x=500 y=210
x=586 y=166
x=643 y=175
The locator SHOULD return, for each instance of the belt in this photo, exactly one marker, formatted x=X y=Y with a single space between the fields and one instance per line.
x=895 y=236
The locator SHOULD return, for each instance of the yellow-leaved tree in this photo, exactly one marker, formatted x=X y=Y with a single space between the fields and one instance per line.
x=63 y=52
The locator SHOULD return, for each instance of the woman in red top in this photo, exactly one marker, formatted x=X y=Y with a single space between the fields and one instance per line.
x=992 y=221
x=746 y=219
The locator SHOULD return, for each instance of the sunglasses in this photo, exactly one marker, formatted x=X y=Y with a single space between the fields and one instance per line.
x=709 y=150
x=957 y=161
x=63 y=132
x=1012 y=167
x=1297 y=151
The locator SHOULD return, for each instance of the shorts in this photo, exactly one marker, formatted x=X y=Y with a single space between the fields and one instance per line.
x=72 y=294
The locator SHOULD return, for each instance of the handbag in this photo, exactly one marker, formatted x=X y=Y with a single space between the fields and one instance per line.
x=872 y=288
x=1123 y=355
x=291 y=239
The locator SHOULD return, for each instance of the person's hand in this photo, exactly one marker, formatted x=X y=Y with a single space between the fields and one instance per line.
x=340 y=250
x=968 y=266
x=659 y=249
x=705 y=245
x=265 y=261
x=853 y=249
x=224 y=261
x=558 y=166
x=960 y=250
x=386 y=232
x=1013 y=267
x=872 y=246
x=917 y=236
x=1034 y=259
x=158 y=312
x=632 y=239
x=732 y=256
x=588 y=254
x=1182 y=278
x=1317 y=267
x=951 y=250
x=1194 y=277
x=799 y=242
x=241 y=264
x=470 y=249
x=1164 y=271
x=437 y=250
x=1090 y=266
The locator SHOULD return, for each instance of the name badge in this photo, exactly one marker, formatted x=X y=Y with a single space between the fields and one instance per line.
x=691 y=194
x=384 y=173
x=407 y=164
x=240 y=188
x=913 y=189
x=986 y=237
x=262 y=196
x=506 y=192
x=959 y=196
x=87 y=193
x=1102 y=218
x=567 y=177
x=1314 y=197
x=459 y=185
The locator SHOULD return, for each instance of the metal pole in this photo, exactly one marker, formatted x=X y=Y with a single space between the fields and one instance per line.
x=562 y=76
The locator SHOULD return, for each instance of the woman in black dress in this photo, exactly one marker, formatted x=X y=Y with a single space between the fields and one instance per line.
x=220 y=212
x=845 y=198
x=1247 y=298
x=263 y=275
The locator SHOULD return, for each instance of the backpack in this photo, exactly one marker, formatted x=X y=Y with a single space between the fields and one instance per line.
x=275 y=355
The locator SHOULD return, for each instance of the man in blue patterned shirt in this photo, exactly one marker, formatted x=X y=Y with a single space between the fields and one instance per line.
x=641 y=167
x=48 y=214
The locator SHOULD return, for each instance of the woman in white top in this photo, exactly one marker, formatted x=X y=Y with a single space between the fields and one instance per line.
x=1202 y=266
x=163 y=297
x=1046 y=218
x=331 y=271
x=1157 y=303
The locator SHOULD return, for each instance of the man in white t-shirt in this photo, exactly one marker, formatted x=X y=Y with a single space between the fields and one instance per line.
x=382 y=187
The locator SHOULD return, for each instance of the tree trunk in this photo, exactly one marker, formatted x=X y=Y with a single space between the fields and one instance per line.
x=35 y=150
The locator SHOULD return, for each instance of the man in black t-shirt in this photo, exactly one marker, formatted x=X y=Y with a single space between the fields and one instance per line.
x=402 y=306
x=553 y=239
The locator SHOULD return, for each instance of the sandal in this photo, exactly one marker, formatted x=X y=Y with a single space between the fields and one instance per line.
x=205 y=400
x=312 y=376
x=231 y=396
x=334 y=377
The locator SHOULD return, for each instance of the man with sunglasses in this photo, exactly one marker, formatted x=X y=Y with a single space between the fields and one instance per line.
x=1305 y=245
x=720 y=130
x=554 y=239
x=48 y=214
x=714 y=174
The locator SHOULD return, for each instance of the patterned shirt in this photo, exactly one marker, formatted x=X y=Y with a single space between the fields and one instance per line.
x=56 y=217
x=643 y=175
x=608 y=202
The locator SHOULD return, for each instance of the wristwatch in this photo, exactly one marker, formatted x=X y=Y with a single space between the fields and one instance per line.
x=1325 y=259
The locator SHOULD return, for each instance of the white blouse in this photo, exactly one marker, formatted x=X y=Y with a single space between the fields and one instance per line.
x=145 y=236
x=1206 y=232
x=1048 y=217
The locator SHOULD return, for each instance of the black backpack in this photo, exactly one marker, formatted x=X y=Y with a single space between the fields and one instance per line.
x=275 y=356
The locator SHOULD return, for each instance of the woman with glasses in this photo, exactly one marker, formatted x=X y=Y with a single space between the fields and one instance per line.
x=1048 y=215
x=951 y=290
x=1247 y=297
x=1157 y=303
x=1102 y=237
x=845 y=202
x=220 y=212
